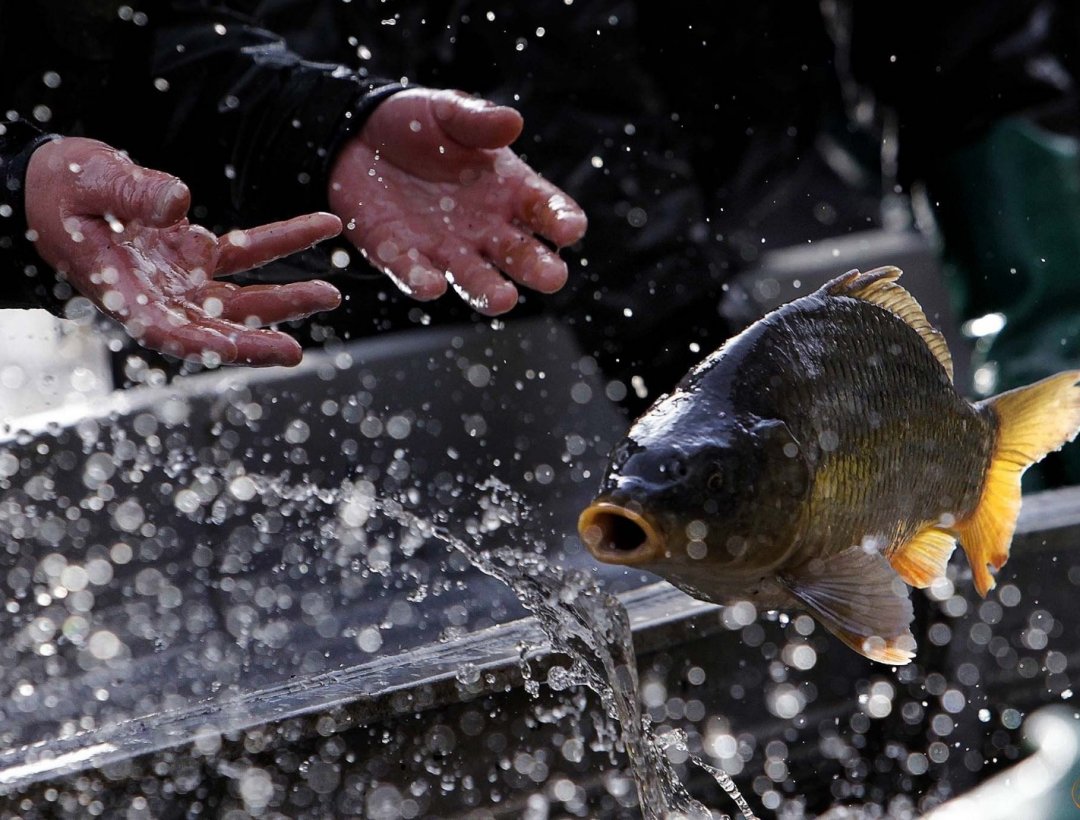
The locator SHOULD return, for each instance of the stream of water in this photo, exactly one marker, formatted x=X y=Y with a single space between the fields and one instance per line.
x=592 y=628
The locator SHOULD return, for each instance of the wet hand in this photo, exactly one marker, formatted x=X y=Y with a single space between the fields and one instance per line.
x=432 y=195
x=118 y=232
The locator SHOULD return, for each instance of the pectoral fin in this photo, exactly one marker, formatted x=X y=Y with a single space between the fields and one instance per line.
x=858 y=597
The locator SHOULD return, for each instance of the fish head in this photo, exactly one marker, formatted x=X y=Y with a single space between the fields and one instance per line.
x=698 y=495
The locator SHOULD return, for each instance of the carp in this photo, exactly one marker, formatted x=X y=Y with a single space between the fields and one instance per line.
x=824 y=459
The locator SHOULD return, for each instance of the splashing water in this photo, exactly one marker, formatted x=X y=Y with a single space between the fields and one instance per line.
x=580 y=620
x=593 y=629
x=676 y=739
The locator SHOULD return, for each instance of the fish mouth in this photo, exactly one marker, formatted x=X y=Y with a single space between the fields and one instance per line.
x=615 y=534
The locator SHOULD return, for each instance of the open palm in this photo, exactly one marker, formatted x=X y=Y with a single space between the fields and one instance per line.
x=118 y=233
x=432 y=195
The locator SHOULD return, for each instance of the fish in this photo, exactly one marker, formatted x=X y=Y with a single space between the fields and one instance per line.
x=823 y=459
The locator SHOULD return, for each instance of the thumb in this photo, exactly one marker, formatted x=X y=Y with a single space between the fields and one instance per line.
x=108 y=182
x=474 y=122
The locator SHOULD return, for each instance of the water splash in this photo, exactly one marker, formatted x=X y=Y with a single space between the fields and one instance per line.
x=580 y=620
x=676 y=739
x=593 y=629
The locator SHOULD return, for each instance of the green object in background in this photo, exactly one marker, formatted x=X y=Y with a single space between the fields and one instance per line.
x=1009 y=211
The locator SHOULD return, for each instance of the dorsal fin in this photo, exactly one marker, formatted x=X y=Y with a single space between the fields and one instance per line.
x=879 y=287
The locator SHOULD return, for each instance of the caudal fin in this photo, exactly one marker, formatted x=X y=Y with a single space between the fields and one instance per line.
x=1032 y=422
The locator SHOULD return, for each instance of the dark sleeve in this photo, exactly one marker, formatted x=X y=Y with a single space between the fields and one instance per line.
x=25 y=281
x=251 y=126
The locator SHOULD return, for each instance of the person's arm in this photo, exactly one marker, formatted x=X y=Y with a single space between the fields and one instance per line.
x=425 y=181
x=248 y=123
x=77 y=216
x=24 y=281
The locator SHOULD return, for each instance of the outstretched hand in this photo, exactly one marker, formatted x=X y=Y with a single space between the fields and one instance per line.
x=431 y=194
x=118 y=232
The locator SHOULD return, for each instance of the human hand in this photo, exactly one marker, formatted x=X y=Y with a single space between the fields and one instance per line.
x=118 y=232
x=430 y=193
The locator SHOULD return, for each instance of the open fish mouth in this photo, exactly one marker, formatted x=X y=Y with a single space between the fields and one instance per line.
x=615 y=534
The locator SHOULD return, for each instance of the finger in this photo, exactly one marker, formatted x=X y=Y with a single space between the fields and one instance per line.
x=243 y=250
x=267 y=348
x=243 y=345
x=480 y=284
x=408 y=268
x=551 y=213
x=475 y=122
x=525 y=260
x=107 y=182
x=405 y=133
x=172 y=325
x=417 y=276
x=257 y=305
x=171 y=330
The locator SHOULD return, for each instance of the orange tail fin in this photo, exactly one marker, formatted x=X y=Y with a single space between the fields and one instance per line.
x=1032 y=422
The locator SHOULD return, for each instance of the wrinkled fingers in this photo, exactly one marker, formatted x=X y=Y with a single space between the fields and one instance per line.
x=253 y=306
x=412 y=271
x=247 y=249
x=171 y=330
x=201 y=340
x=546 y=210
x=475 y=122
x=525 y=260
x=480 y=284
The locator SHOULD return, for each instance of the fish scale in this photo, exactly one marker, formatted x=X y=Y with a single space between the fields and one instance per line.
x=875 y=470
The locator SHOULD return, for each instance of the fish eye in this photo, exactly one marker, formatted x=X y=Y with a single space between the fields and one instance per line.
x=720 y=478
x=725 y=478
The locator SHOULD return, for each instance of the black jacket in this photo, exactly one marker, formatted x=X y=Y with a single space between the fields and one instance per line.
x=199 y=89
x=693 y=134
